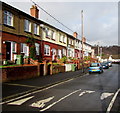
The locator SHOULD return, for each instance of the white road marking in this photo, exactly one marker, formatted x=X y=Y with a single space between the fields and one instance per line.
x=105 y=95
x=82 y=93
x=20 y=85
x=19 y=102
x=35 y=92
x=60 y=100
x=112 y=101
x=86 y=91
x=39 y=90
x=41 y=103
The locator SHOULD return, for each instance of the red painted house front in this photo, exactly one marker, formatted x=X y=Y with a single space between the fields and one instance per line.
x=14 y=45
x=52 y=51
x=8 y=40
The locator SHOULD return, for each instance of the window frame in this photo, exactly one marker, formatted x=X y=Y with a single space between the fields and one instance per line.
x=64 y=39
x=47 y=50
x=64 y=52
x=14 y=47
x=36 y=29
x=8 y=16
x=37 y=47
x=52 y=34
x=27 y=25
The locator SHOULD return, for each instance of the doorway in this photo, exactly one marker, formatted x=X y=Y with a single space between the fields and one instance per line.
x=8 y=50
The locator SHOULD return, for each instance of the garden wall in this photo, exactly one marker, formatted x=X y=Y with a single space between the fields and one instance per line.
x=68 y=67
x=58 y=69
x=19 y=72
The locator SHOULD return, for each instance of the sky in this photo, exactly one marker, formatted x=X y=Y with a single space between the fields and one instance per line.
x=100 y=17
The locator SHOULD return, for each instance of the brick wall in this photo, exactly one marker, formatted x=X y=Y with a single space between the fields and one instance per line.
x=58 y=69
x=19 y=72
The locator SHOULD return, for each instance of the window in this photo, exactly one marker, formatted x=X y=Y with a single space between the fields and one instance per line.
x=53 y=51
x=8 y=18
x=24 y=49
x=48 y=32
x=27 y=26
x=52 y=34
x=72 y=42
x=94 y=65
x=64 y=52
x=13 y=46
x=46 y=50
x=36 y=29
x=69 y=41
x=64 y=39
x=61 y=38
x=59 y=53
x=68 y=52
x=37 y=48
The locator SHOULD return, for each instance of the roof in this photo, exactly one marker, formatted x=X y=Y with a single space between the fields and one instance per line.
x=38 y=20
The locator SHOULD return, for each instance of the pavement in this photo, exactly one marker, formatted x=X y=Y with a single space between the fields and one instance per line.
x=20 y=87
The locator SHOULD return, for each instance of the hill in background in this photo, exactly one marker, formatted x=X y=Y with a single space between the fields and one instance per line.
x=107 y=51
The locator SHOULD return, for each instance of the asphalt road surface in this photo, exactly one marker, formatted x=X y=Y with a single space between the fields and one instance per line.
x=94 y=92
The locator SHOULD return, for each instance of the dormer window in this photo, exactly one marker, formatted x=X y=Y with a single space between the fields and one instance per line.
x=8 y=18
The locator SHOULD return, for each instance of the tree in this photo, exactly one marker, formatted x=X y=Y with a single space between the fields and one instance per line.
x=31 y=42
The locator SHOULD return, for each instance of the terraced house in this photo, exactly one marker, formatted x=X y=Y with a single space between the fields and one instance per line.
x=50 y=42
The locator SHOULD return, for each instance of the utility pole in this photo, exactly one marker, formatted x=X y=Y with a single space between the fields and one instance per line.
x=98 y=48
x=101 y=52
x=82 y=40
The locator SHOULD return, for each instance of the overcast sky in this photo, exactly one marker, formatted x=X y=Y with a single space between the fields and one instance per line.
x=100 y=18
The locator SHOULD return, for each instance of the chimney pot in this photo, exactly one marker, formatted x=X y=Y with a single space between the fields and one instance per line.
x=34 y=11
x=75 y=34
x=84 y=39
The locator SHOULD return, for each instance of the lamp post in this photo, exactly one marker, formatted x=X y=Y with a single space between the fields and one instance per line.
x=98 y=49
x=82 y=40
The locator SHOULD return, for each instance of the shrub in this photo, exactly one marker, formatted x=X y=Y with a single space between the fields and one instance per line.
x=33 y=52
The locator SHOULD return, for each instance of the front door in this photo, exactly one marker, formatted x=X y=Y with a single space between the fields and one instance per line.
x=53 y=54
x=8 y=50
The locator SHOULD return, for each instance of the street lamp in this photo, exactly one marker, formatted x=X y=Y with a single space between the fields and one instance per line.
x=82 y=40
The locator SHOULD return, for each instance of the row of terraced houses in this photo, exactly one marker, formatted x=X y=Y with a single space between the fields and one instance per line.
x=49 y=41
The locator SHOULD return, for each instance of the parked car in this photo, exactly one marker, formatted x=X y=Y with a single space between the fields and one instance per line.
x=95 y=67
x=109 y=63
x=105 y=65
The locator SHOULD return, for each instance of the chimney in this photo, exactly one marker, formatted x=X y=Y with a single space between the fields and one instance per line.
x=84 y=39
x=34 y=11
x=75 y=34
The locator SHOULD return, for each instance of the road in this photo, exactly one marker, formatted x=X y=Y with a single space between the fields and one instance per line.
x=94 y=92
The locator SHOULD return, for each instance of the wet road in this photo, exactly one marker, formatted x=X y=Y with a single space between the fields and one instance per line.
x=94 y=92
